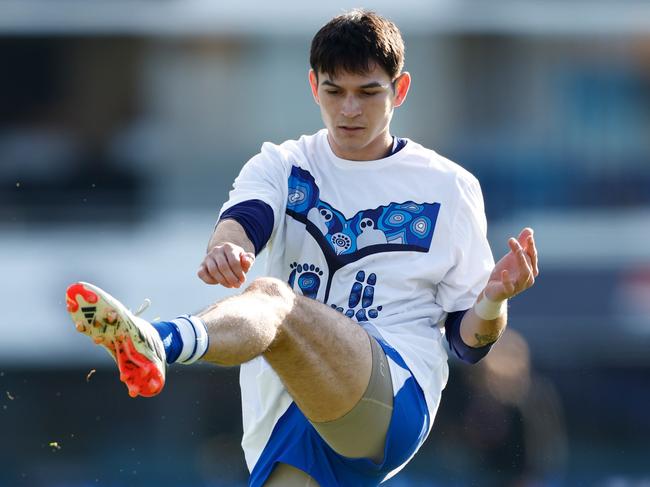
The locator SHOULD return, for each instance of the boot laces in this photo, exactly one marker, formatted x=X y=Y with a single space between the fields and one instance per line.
x=143 y=307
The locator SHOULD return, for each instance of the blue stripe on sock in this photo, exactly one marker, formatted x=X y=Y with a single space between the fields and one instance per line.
x=171 y=338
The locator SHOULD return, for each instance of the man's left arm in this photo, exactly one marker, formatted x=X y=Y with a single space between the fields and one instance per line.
x=484 y=323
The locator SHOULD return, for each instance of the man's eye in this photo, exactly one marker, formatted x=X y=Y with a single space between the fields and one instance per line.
x=332 y=92
x=369 y=93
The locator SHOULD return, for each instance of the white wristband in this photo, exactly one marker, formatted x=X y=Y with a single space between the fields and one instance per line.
x=488 y=310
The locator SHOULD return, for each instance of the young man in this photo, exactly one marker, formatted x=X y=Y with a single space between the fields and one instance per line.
x=374 y=243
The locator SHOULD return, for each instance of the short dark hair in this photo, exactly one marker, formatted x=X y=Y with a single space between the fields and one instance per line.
x=354 y=41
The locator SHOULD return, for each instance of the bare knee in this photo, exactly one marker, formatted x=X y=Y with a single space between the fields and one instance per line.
x=249 y=324
x=275 y=297
x=282 y=306
x=271 y=287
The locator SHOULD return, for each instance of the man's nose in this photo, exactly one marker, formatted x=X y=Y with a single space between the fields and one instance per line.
x=351 y=107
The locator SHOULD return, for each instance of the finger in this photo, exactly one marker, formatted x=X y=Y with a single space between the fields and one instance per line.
x=247 y=260
x=526 y=277
x=234 y=262
x=226 y=271
x=527 y=241
x=531 y=250
x=508 y=285
x=526 y=273
x=204 y=273
x=514 y=245
x=205 y=276
x=213 y=269
x=523 y=236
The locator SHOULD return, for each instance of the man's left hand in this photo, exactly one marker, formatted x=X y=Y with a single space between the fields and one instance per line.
x=516 y=271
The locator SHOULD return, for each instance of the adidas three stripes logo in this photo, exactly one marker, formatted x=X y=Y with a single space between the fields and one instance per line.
x=89 y=313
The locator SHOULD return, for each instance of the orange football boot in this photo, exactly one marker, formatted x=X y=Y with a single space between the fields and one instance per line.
x=134 y=343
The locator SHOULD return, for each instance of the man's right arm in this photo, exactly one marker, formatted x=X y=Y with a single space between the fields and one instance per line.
x=247 y=220
x=230 y=255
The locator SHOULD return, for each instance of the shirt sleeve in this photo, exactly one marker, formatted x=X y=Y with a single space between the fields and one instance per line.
x=457 y=345
x=263 y=178
x=471 y=257
x=256 y=218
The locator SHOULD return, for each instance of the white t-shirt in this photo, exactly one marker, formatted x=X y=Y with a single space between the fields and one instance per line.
x=395 y=243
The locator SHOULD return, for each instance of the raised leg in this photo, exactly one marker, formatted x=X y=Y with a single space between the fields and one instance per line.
x=323 y=358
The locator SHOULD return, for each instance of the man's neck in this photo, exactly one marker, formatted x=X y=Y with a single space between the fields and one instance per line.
x=377 y=149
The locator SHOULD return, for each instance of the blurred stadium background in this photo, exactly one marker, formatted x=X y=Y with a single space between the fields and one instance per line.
x=123 y=124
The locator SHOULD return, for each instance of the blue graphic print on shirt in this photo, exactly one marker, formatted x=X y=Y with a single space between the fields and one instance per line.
x=401 y=224
x=308 y=278
x=363 y=291
x=396 y=227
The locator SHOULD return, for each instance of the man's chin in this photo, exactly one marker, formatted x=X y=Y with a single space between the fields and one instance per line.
x=348 y=148
x=349 y=143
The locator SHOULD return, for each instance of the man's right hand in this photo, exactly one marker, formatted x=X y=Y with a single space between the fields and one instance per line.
x=227 y=265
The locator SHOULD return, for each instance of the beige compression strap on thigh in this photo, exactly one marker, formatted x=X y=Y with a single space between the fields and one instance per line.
x=361 y=433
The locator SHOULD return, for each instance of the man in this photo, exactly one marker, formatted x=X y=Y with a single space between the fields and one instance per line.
x=381 y=242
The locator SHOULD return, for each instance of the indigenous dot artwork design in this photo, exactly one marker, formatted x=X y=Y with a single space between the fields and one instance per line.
x=309 y=278
x=404 y=224
x=362 y=296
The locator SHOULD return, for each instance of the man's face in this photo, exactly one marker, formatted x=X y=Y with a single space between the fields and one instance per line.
x=357 y=109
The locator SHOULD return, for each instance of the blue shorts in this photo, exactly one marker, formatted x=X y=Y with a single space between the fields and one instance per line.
x=294 y=441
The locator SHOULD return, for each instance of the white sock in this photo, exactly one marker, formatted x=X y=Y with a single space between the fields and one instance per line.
x=194 y=336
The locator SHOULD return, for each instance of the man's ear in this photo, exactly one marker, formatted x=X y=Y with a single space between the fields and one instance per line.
x=313 y=82
x=402 y=85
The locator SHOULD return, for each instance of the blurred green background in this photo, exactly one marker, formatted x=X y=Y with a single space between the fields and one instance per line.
x=122 y=126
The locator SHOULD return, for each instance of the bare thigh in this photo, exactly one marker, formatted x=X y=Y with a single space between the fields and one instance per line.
x=323 y=358
x=361 y=433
